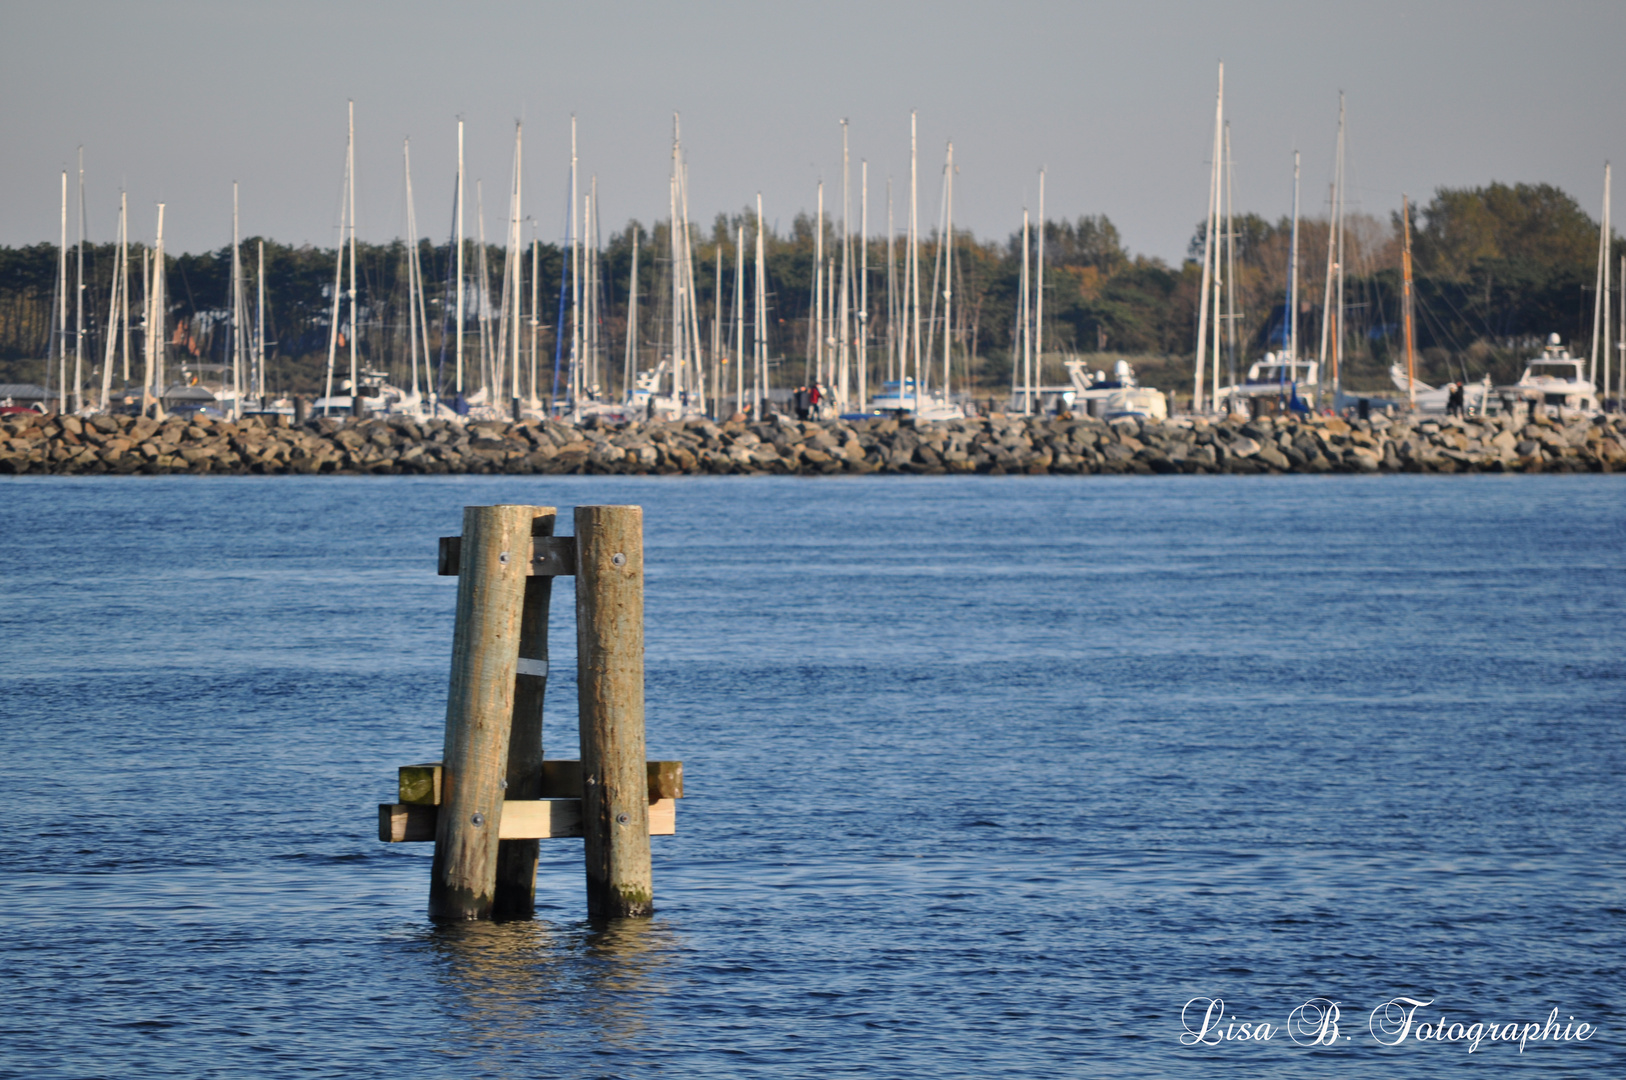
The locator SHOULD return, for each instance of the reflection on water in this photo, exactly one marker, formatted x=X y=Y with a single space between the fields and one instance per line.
x=528 y=984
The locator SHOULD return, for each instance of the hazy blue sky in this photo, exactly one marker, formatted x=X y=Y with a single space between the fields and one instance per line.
x=173 y=101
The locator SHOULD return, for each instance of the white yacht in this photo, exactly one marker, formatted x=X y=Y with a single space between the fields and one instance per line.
x=1096 y=394
x=1555 y=382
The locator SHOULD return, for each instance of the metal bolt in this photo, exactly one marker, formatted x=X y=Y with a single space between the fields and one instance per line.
x=478 y=819
x=622 y=819
x=618 y=559
x=503 y=783
x=503 y=558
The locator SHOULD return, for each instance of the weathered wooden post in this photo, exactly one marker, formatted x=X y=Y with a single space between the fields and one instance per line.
x=516 y=859
x=494 y=565
x=610 y=688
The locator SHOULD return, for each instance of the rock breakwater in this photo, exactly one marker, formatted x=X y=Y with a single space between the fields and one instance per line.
x=998 y=445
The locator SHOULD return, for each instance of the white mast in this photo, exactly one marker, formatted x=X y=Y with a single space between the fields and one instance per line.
x=575 y=281
x=818 y=291
x=948 y=265
x=1026 y=309
x=1293 y=278
x=124 y=281
x=62 y=305
x=355 y=324
x=160 y=306
x=1600 y=303
x=894 y=340
x=912 y=286
x=338 y=284
x=414 y=285
x=482 y=267
x=237 y=328
x=516 y=257
x=717 y=332
x=760 y=367
x=1210 y=253
x=844 y=343
x=259 y=328
x=534 y=403
x=739 y=321
x=1230 y=271
x=1038 y=294
x=629 y=366
x=110 y=346
x=79 y=299
x=675 y=253
x=460 y=277
x=863 y=284
x=695 y=381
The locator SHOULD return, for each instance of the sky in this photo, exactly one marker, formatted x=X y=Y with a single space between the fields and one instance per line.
x=174 y=101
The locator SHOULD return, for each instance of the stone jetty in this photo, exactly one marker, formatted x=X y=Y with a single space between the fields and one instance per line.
x=998 y=445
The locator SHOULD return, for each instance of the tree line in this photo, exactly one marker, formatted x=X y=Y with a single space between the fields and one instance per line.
x=1497 y=268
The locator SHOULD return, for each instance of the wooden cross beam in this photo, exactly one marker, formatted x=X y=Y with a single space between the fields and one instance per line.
x=522 y=819
x=551 y=556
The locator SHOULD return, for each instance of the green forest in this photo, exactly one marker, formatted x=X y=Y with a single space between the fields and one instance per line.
x=1497 y=268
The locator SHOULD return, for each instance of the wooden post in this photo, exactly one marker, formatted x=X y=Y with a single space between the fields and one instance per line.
x=494 y=565
x=516 y=859
x=610 y=686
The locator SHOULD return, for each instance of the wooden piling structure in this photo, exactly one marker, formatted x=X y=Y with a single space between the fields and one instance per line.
x=494 y=564
x=492 y=797
x=610 y=689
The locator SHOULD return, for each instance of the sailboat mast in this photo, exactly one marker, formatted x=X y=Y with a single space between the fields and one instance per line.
x=912 y=286
x=124 y=281
x=516 y=256
x=1230 y=268
x=237 y=328
x=717 y=332
x=760 y=366
x=355 y=324
x=1026 y=308
x=413 y=284
x=575 y=281
x=160 y=307
x=79 y=298
x=629 y=365
x=1405 y=300
x=894 y=340
x=844 y=344
x=259 y=327
x=818 y=291
x=739 y=320
x=1600 y=303
x=62 y=304
x=1038 y=293
x=460 y=274
x=1293 y=277
x=1338 y=224
x=948 y=266
x=1210 y=251
x=536 y=310
x=863 y=283
x=110 y=345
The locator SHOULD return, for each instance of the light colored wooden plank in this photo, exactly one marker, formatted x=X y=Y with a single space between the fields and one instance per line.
x=522 y=819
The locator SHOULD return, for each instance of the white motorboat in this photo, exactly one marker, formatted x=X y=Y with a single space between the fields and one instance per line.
x=1555 y=382
x=1477 y=397
x=898 y=398
x=1108 y=397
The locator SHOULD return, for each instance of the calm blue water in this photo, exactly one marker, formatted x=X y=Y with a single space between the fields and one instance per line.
x=987 y=777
